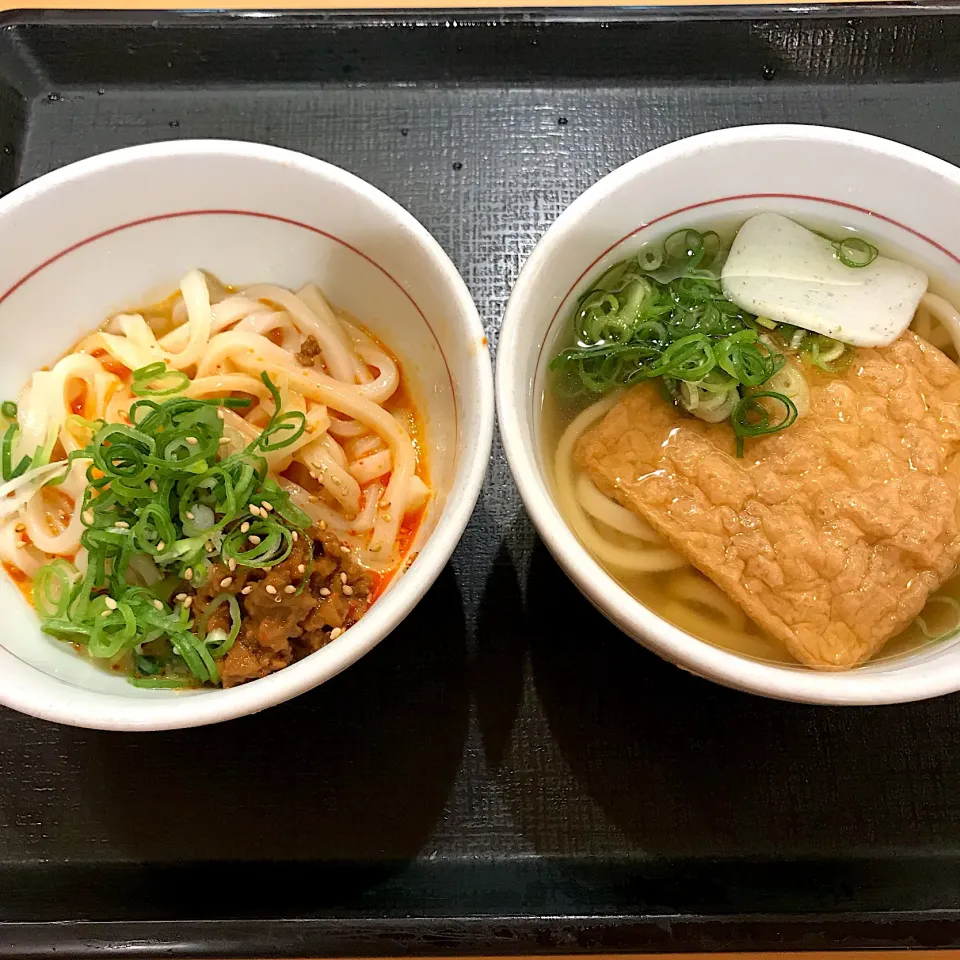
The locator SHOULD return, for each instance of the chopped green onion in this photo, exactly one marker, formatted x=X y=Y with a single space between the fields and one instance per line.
x=148 y=666
x=144 y=479
x=155 y=380
x=9 y=471
x=662 y=315
x=684 y=244
x=293 y=423
x=831 y=356
x=275 y=544
x=855 y=252
x=751 y=418
x=162 y=682
x=227 y=638
x=9 y=409
x=51 y=587
x=650 y=259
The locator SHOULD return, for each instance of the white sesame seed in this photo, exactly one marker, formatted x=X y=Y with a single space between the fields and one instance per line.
x=244 y=527
x=226 y=581
x=153 y=486
x=343 y=578
x=88 y=517
x=190 y=516
x=161 y=546
x=266 y=506
x=247 y=589
x=301 y=568
x=193 y=441
x=344 y=548
x=232 y=564
x=21 y=544
x=254 y=509
x=375 y=547
x=295 y=535
x=106 y=613
x=335 y=632
x=187 y=602
x=111 y=603
x=122 y=524
x=158 y=604
x=271 y=589
x=347 y=590
x=289 y=588
x=254 y=539
x=189 y=574
x=324 y=591
x=210 y=547
x=181 y=597
x=387 y=517
x=323 y=524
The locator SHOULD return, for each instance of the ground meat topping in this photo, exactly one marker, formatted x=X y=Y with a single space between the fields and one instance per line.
x=287 y=611
x=308 y=352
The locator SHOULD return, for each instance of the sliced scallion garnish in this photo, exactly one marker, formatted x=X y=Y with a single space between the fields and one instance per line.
x=156 y=380
x=663 y=315
x=751 y=418
x=855 y=252
x=158 y=489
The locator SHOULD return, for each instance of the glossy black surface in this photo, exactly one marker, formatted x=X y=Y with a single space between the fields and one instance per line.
x=506 y=773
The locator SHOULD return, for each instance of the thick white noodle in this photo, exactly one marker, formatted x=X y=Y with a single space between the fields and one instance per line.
x=224 y=343
x=138 y=346
x=339 y=358
x=38 y=512
x=224 y=314
x=20 y=555
x=327 y=468
x=315 y=300
x=694 y=589
x=347 y=429
x=945 y=312
x=252 y=353
x=599 y=506
x=45 y=403
x=357 y=447
x=633 y=560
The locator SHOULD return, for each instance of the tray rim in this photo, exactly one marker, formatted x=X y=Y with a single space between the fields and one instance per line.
x=468 y=936
x=499 y=935
x=469 y=16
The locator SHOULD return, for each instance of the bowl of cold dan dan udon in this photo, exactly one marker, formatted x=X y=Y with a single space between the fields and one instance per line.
x=247 y=410
x=742 y=440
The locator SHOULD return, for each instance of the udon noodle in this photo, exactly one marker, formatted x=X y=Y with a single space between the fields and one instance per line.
x=637 y=556
x=354 y=469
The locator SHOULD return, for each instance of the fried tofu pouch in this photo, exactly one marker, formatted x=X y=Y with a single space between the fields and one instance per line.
x=830 y=534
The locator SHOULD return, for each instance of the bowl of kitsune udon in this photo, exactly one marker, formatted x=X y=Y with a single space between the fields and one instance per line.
x=729 y=393
x=247 y=407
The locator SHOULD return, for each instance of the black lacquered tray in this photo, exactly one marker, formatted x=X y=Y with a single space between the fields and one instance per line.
x=506 y=773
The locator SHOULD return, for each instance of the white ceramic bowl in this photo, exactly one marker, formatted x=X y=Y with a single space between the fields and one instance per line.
x=906 y=200
x=121 y=229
